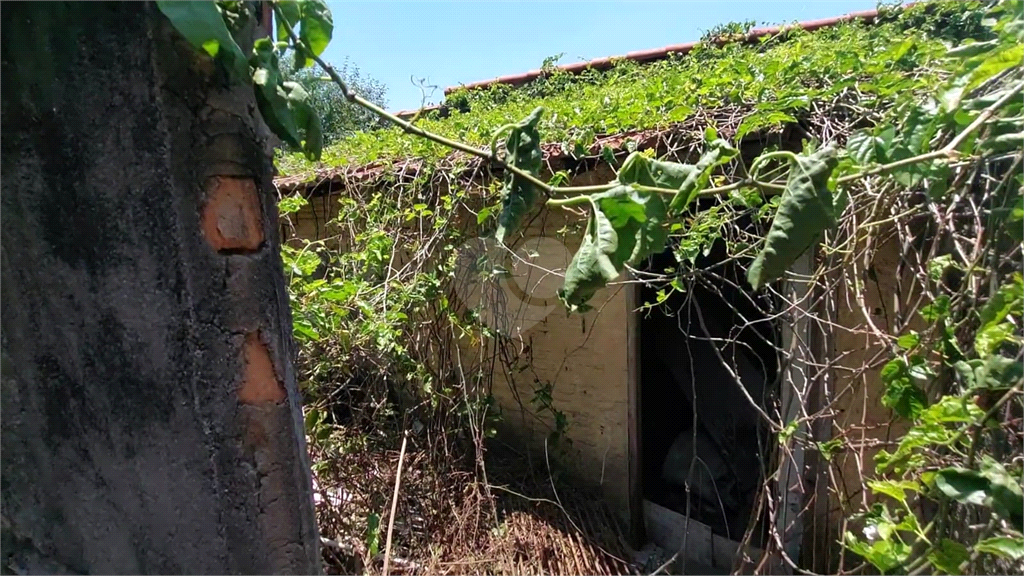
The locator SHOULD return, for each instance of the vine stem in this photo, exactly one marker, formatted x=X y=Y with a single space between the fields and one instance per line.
x=949 y=151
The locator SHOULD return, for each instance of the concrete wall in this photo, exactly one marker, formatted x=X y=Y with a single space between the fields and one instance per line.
x=151 y=422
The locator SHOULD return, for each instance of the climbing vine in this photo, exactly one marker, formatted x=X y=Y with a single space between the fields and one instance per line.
x=934 y=152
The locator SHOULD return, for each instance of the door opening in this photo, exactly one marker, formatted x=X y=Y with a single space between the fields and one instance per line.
x=707 y=356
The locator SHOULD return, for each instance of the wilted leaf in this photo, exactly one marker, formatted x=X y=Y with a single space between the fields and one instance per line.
x=688 y=179
x=699 y=176
x=625 y=226
x=804 y=212
x=518 y=194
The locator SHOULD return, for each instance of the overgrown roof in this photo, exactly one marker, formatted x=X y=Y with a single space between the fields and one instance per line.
x=850 y=67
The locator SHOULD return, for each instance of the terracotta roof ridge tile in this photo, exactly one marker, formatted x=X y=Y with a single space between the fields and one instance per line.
x=654 y=54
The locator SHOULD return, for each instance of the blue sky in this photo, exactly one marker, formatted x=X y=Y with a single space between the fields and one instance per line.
x=464 y=41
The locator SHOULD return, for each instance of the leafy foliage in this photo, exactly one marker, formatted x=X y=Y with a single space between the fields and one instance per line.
x=202 y=25
x=284 y=105
x=777 y=79
x=339 y=117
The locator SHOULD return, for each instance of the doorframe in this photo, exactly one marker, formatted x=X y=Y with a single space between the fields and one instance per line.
x=634 y=299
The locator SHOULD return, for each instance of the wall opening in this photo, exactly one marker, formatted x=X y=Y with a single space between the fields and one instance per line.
x=703 y=446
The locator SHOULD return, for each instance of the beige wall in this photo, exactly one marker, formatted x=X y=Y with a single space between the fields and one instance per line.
x=582 y=356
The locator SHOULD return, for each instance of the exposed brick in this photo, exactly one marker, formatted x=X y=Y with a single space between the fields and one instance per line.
x=259 y=380
x=231 y=219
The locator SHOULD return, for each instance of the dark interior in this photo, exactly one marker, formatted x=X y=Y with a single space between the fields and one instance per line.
x=720 y=453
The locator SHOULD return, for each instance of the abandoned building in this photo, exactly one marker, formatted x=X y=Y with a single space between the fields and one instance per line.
x=664 y=404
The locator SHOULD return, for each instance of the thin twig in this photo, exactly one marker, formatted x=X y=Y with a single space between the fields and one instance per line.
x=394 y=503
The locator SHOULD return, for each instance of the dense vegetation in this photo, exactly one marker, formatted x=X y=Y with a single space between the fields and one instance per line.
x=912 y=136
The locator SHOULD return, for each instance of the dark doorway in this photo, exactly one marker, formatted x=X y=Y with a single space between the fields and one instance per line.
x=703 y=442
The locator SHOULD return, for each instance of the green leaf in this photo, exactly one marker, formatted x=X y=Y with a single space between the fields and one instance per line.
x=518 y=194
x=908 y=341
x=995 y=63
x=990 y=338
x=202 y=25
x=995 y=372
x=291 y=204
x=313 y=417
x=901 y=394
x=948 y=556
x=292 y=13
x=626 y=226
x=964 y=486
x=861 y=147
x=316 y=27
x=895 y=489
x=1008 y=300
x=1005 y=495
x=373 y=534
x=993 y=487
x=1003 y=546
x=937 y=310
x=484 y=214
x=270 y=94
x=804 y=212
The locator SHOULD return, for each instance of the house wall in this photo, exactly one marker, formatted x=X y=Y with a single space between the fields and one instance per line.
x=583 y=357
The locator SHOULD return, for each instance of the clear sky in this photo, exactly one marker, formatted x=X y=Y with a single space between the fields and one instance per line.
x=455 y=42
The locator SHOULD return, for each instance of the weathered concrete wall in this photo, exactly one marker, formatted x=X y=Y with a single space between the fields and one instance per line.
x=151 y=422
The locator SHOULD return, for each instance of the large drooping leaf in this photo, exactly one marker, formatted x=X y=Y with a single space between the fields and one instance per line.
x=202 y=25
x=626 y=226
x=518 y=194
x=316 y=27
x=306 y=118
x=284 y=105
x=805 y=210
x=1011 y=548
x=688 y=179
x=992 y=487
x=291 y=13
